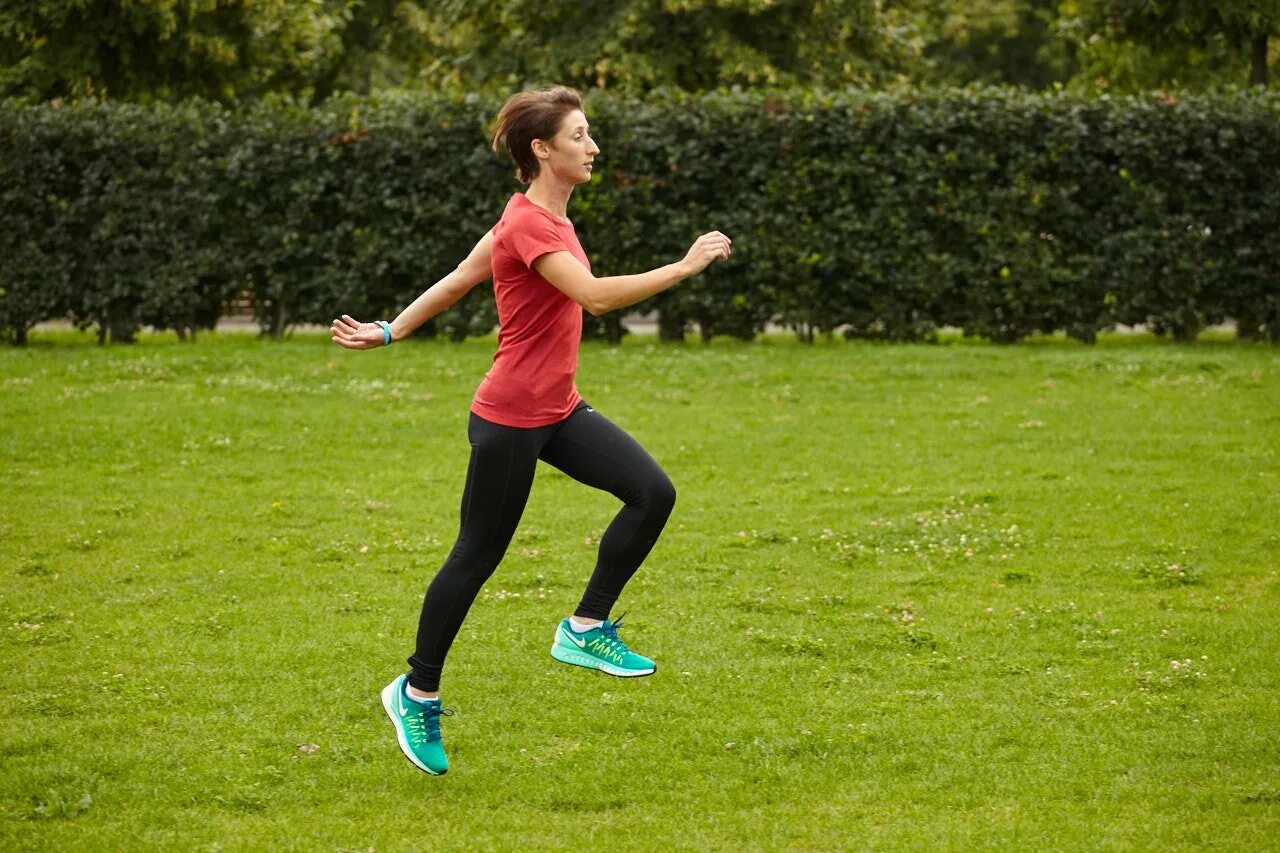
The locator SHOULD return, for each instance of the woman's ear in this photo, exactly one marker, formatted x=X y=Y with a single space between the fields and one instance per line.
x=540 y=149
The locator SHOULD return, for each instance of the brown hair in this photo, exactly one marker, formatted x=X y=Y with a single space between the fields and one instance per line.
x=528 y=116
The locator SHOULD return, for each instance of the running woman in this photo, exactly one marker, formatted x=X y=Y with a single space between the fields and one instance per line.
x=528 y=408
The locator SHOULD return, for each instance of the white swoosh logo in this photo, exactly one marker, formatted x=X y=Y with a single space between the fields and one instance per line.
x=582 y=644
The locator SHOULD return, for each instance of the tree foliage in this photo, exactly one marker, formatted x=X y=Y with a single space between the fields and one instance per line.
x=1008 y=42
x=694 y=45
x=159 y=49
x=1144 y=44
x=229 y=50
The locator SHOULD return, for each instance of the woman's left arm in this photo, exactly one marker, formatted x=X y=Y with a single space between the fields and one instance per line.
x=444 y=293
x=476 y=268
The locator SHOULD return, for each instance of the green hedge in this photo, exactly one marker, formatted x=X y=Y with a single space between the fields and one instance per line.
x=882 y=215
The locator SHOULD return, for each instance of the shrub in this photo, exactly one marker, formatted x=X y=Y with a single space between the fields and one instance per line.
x=882 y=215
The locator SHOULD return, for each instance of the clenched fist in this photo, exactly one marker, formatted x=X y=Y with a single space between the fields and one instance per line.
x=707 y=248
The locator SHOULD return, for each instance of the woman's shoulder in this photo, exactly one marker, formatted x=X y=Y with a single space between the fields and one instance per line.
x=523 y=215
x=520 y=205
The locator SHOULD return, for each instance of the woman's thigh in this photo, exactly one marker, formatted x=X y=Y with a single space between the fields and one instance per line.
x=499 y=478
x=595 y=451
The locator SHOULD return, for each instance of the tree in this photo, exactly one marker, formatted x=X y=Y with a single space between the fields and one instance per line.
x=694 y=45
x=159 y=49
x=1207 y=35
x=378 y=44
x=1005 y=42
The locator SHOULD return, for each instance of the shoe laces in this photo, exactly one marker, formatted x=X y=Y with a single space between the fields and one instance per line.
x=609 y=629
x=426 y=723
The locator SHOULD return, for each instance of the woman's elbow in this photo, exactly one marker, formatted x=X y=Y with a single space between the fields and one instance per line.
x=595 y=306
x=468 y=274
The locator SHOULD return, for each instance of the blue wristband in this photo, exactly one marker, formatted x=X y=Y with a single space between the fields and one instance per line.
x=386 y=332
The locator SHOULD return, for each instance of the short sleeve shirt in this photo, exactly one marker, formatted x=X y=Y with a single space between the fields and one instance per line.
x=531 y=383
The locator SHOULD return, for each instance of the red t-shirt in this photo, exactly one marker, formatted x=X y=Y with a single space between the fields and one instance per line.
x=539 y=328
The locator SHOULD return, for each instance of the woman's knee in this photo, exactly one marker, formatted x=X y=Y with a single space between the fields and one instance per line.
x=469 y=566
x=660 y=494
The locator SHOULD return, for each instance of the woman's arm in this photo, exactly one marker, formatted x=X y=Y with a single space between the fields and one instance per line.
x=600 y=295
x=352 y=334
x=444 y=293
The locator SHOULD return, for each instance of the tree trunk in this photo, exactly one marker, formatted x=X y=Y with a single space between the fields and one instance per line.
x=1186 y=328
x=278 y=320
x=613 y=330
x=1258 y=76
x=20 y=334
x=1248 y=328
x=670 y=325
x=325 y=85
x=122 y=330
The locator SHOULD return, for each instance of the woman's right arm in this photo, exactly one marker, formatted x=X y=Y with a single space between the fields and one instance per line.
x=599 y=295
x=444 y=293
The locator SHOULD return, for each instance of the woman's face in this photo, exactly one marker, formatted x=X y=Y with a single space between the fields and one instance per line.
x=570 y=152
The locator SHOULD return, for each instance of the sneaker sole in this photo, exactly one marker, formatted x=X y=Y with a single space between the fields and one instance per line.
x=577 y=658
x=388 y=705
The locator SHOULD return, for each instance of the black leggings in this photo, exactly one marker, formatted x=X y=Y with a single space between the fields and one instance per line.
x=587 y=447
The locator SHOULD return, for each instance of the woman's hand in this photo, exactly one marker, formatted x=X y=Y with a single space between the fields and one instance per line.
x=355 y=335
x=707 y=248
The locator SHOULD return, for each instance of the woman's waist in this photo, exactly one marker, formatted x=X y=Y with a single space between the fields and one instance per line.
x=518 y=380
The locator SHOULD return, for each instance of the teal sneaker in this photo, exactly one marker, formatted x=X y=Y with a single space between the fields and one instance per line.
x=599 y=649
x=417 y=726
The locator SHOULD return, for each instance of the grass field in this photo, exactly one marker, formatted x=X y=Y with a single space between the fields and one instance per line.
x=954 y=596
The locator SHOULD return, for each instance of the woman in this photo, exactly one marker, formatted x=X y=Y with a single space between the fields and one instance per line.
x=528 y=408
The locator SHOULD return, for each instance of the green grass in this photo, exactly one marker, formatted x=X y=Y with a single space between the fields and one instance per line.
x=946 y=596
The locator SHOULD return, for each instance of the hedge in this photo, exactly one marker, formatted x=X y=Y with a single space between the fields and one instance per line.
x=998 y=212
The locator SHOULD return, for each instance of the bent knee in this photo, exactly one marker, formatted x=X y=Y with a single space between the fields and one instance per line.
x=660 y=494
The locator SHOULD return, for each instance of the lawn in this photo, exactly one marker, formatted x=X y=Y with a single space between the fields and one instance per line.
x=931 y=596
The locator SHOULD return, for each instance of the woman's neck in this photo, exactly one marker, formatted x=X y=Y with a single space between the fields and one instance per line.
x=551 y=195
